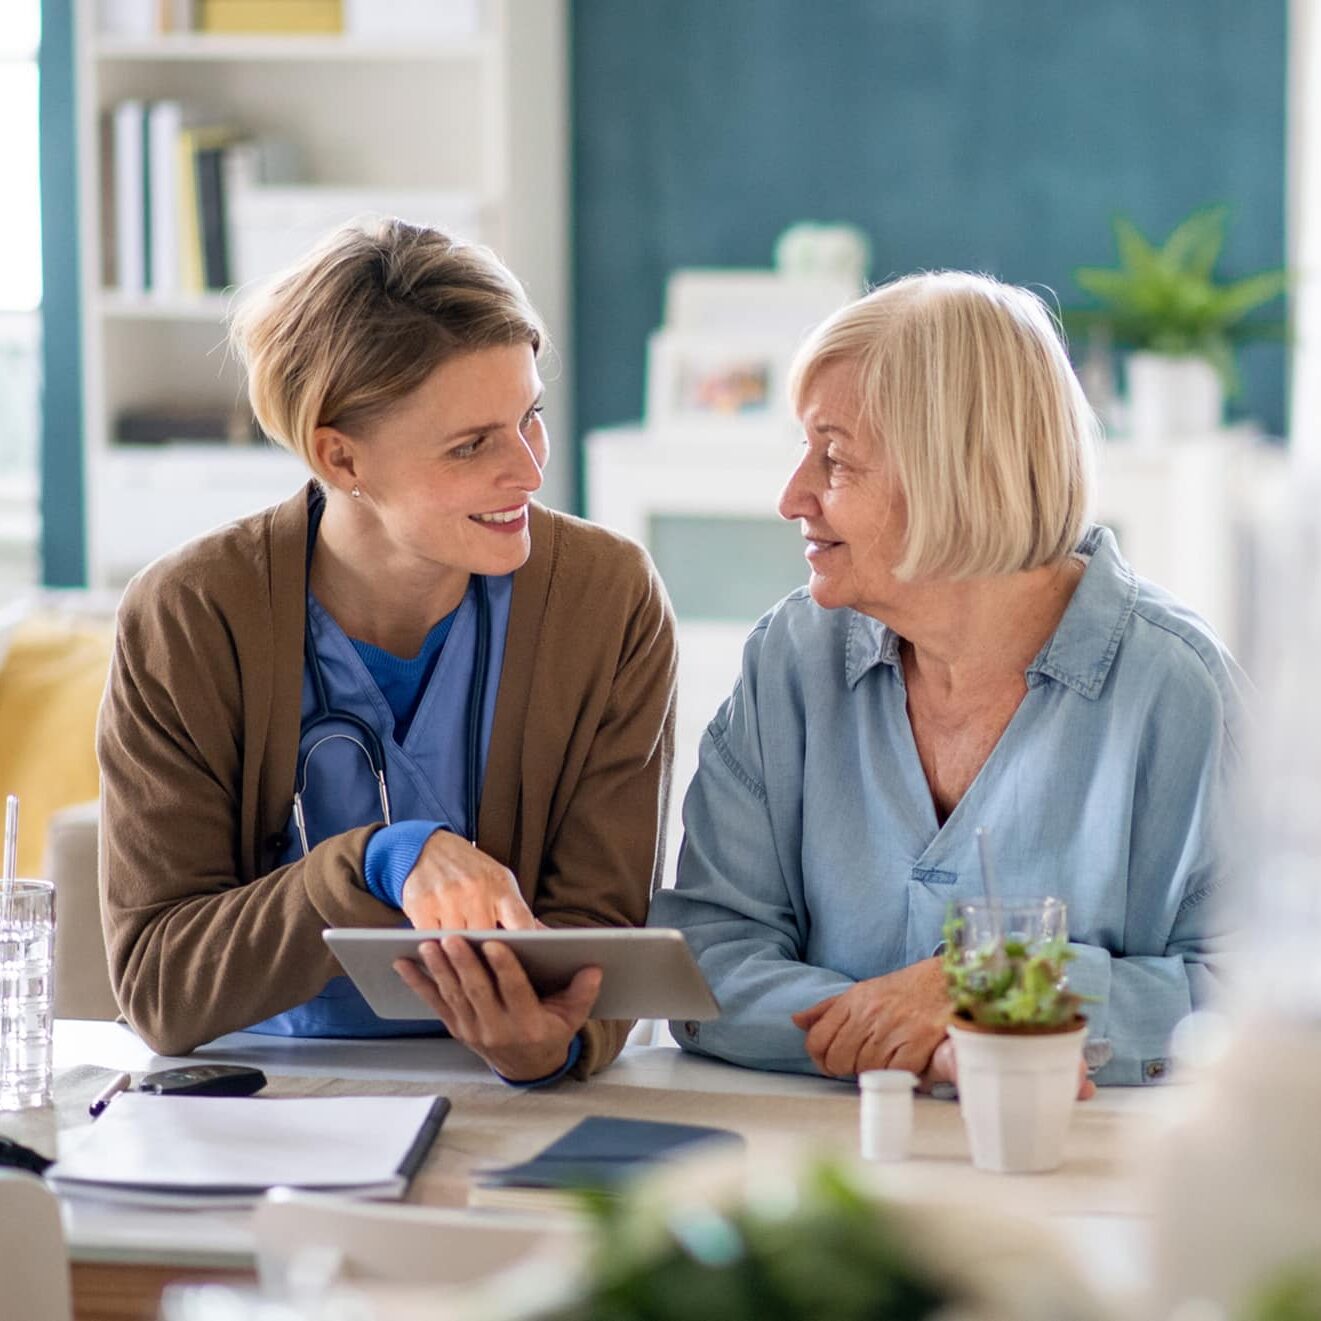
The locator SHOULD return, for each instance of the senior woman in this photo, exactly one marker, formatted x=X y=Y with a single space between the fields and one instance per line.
x=407 y=694
x=968 y=652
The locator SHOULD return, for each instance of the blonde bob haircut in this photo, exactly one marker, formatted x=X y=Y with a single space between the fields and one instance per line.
x=966 y=385
x=364 y=319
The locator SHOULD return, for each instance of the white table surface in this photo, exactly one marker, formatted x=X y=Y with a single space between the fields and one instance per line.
x=1112 y=1250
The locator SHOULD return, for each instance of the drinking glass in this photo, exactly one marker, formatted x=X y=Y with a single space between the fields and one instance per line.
x=1033 y=922
x=27 y=942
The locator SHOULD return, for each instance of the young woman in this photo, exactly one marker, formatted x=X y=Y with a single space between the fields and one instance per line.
x=406 y=694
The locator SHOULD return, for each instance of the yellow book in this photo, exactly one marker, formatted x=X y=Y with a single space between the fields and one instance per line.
x=272 y=16
x=192 y=257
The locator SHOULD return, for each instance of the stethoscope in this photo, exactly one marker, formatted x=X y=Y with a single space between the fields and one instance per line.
x=369 y=741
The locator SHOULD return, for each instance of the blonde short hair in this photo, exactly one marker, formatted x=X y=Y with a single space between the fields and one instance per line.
x=364 y=319
x=966 y=384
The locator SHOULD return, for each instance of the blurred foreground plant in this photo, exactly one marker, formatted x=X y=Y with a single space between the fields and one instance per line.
x=1292 y=1294
x=822 y=1248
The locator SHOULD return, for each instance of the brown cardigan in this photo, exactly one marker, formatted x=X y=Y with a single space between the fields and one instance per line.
x=198 y=741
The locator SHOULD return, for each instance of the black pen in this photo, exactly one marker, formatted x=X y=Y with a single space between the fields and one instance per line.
x=119 y=1083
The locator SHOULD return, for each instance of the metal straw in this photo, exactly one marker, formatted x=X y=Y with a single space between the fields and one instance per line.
x=988 y=878
x=988 y=867
x=11 y=852
x=7 y=873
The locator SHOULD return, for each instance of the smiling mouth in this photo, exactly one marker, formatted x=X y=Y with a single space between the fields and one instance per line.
x=501 y=516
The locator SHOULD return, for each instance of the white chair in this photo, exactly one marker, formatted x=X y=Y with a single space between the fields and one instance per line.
x=334 y=1238
x=82 y=971
x=34 y=1265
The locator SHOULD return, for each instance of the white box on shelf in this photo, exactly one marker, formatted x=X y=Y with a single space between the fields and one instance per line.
x=752 y=300
x=127 y=18
x=375 y=20
x=271 y=228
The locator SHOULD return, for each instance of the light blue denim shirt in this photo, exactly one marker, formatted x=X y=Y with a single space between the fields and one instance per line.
x=812 y=857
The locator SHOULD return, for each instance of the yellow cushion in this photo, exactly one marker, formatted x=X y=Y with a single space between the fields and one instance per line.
x=51 y=680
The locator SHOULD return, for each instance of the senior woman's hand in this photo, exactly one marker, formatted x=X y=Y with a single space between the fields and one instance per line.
x=890 y=1022
x=455 y=885
x=491 y=1007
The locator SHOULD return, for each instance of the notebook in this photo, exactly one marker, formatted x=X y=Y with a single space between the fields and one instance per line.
x=598 y=1152
x=209 y=1151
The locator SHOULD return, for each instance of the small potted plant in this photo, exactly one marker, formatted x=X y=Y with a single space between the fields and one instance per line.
x=1017 y=1030
x=1180 y=326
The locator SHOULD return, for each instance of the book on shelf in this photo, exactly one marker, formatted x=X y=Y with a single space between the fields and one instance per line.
x=599 y=1153
x=212 y=228
x=164 y=125
x=105 y=148
x=167 y=426
x=204 y=247
x=171 y=176
x=287 y=17
x=129 y=171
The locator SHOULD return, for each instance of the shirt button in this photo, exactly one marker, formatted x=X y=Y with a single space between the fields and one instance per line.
x=1153 y=1070
x=690 y=1030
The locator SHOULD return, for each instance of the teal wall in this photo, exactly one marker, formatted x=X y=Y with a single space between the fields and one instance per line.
x=996 y=134
x=62 y=547
x=1000 y=135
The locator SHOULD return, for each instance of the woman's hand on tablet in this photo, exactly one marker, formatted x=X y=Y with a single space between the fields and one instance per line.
x=454 y=885
x=491 y=1007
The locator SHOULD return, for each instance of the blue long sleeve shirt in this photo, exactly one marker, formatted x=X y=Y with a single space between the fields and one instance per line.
x=812 y=857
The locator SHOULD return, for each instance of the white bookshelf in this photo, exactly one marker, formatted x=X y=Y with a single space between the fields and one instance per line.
x=211 y=47
x=483 y=116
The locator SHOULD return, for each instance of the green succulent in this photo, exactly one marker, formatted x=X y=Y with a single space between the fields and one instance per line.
x=1007 y=984
x=1165 y=298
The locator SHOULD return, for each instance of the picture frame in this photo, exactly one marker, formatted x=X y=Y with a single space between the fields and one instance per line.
x=711 y=378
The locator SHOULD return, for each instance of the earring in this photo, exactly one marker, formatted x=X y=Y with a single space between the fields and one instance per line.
x=356 y=493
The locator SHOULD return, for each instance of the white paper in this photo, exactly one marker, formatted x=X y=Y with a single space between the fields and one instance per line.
x=189 y=1144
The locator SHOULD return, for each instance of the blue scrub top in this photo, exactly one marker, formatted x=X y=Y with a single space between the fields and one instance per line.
x=426 y=775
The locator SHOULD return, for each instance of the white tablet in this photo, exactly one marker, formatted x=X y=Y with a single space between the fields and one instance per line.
x=648 y=972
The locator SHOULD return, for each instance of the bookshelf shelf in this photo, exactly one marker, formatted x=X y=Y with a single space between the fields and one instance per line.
x=207 y=46
x=210 y=308
x=387 y=125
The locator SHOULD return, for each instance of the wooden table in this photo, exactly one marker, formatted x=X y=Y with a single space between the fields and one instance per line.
x=122 y=1257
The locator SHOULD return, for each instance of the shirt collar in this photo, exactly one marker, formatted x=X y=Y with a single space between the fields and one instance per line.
x=870 y=643
x=1080 y=651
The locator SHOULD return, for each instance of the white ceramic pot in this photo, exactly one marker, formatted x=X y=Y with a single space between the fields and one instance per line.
x=1016 y=1095
x=1170 y=397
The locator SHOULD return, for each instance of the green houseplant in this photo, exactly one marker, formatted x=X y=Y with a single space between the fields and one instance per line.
x=1009 y=984
x=1016 y=1028
x=1180 y=326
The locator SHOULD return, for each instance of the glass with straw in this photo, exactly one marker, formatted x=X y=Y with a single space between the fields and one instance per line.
x=27 y=943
